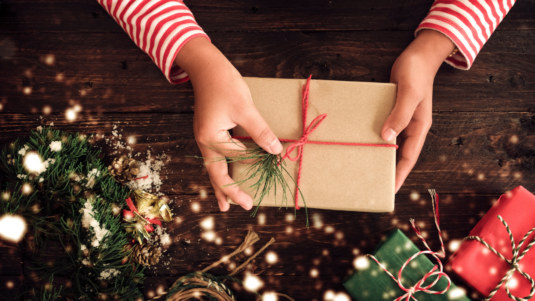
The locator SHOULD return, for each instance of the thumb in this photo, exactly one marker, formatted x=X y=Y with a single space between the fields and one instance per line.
x=256 y=126
x=401 y=115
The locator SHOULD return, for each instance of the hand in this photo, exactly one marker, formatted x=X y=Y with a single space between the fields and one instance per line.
x=414 y=72
x=222 y=101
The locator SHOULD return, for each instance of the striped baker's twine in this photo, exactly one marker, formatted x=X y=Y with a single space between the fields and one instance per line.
x=514 y=263
x=437 y=270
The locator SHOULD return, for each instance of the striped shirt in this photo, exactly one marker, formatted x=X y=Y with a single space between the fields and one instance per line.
x=162 y=27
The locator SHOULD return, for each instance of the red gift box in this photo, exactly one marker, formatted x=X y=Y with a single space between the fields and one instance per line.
x=483 y=269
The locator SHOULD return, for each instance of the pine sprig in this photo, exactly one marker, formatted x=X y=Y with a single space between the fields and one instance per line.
x=51 y=203
x=267 y=169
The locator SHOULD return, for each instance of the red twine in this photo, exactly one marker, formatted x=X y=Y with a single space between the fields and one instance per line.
x=307 y=130
x=437 y=270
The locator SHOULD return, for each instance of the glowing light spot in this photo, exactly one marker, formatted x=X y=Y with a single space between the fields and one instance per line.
x=329 y=295
x=289 y=230
x=248 y=251
x=270 y=296
x=271 y=257
x=1 y=106
x=356 y=251
x=208 y=223
x=329 y=229
x=513 y=283
x=27 y=90
x=414 y=264
x=10 y=284
x=481 y=177
x=195 y=207
x=49 y=59
x=208 y=235
x=316 y=219
x=203 y=194
x=289 y=217
x=70 y=114
x=5 y=196
x=514 y=139
x=341 y=297
x=261 y=219
x=394 y=221
x=456 y=293
x=12 y=227
x=517 y=175
x=33 y=163
x=59 y=77
x=493 y=271
x=415 y=196
x=77 y=108
x=454 y=245
x=325 y=252
x=218 y=241
x=252 y=283
x=26 y=188
x=339 y=235
x=178 y=220
x=47 y=110
x=131 y=140
x=361 y=263
x=314 y=273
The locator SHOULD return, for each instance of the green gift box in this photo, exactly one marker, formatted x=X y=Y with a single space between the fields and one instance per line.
x=371 y=282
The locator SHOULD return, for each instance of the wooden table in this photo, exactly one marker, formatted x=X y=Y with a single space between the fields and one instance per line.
x=56 y=54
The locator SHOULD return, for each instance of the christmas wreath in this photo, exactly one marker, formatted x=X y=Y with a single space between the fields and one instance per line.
x=56 y=185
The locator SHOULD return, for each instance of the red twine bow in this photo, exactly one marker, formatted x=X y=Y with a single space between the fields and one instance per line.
x=307 y=130
x=437 y=270
x=130 y=214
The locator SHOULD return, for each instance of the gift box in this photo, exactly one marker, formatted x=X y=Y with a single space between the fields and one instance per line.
x=483 y=269
x=333 y=176
x=371 y=282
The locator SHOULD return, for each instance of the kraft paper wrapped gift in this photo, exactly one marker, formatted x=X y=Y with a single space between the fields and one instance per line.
x=337 y=177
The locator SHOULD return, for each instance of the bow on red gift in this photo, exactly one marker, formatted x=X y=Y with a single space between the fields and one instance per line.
x=437 y=270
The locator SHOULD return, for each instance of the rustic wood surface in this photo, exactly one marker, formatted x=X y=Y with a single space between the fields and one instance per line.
x=56 y=54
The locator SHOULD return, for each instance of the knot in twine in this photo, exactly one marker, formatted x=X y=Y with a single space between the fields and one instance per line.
x=514 y=263
x=202 y=284
x=437 y=270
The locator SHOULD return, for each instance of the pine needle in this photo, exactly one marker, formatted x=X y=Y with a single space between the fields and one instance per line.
x=268 y=169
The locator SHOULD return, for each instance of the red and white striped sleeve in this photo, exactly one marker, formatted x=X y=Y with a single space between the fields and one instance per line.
x=468 y=23
x=158 y=27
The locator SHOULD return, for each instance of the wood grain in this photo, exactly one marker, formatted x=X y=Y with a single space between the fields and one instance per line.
x=106 y=72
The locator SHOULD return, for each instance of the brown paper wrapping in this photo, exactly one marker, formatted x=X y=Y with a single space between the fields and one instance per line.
x=353 y=178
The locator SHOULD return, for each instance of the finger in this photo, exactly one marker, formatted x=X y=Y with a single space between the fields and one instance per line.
x=256 y=126
x=223 y=183
x=413 y=142
x=406 y=102
x=221 y=199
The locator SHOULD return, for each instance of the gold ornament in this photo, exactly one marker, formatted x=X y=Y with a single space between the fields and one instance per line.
x=136 y=224
x=124 y=169
x=151 y=206
x=146 y=254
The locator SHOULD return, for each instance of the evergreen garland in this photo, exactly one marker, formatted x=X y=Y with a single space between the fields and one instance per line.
x=53 y=203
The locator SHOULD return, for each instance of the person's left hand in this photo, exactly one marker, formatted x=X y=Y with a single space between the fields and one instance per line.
x=414 y=72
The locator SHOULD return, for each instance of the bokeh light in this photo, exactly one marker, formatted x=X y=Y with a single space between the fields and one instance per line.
x=70 y=114
x=361 y=263
x=27 y=90
x=270 y=296
x=33 y=163
x=252 y=283
x=271 y=257
x=26 y=188
x=12 y=227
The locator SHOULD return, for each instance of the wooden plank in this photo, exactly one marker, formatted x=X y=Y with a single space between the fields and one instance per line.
x=464 y=152
x=106 y=72
x=245 y=15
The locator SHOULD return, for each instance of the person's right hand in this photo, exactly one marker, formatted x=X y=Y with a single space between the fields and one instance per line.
x=222 y=101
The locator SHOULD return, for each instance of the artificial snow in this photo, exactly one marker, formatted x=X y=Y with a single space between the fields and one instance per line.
x=92 y=177
x=39 y=129
x=108 y=273
x=88 y=220
x=23 y=150
x=55 y=146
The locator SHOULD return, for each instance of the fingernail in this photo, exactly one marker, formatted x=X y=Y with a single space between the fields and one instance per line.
x=389 y=134
x=276 y=147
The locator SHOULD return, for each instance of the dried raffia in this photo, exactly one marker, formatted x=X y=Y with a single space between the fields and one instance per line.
x=205 y=286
